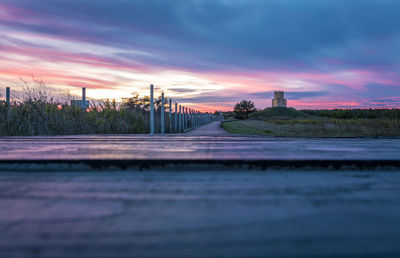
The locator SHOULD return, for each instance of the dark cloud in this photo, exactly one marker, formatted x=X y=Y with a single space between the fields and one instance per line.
x=208 y=98
x=375 y=90
x=222 y=35
x=223 y=97
x=294 y=95
x=180 y=90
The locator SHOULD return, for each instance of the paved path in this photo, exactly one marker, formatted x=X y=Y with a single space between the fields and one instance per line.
x=207 y=214
x=211 y=129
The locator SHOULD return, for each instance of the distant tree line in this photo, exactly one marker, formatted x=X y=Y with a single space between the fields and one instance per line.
x=355 y=113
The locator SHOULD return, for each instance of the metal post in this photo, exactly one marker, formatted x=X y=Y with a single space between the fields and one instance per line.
x=180 y=118
x=170 y=115
x=162 y=113
x=176 y=117
x=184 y=119
x=151 y=109
x=190 y=118
x=7 y=96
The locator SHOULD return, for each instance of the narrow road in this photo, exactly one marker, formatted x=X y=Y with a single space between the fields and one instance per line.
x=213 y=128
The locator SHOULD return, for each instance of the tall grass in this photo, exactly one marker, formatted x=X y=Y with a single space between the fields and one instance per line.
x=42 y=111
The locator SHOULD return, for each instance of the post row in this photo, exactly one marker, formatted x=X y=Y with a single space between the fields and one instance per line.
x=182 y=119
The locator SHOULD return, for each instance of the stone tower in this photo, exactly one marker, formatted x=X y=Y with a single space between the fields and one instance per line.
x=279 y=100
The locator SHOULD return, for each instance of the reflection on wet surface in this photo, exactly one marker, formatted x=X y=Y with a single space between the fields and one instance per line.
x=202 y=214
x=195 y=147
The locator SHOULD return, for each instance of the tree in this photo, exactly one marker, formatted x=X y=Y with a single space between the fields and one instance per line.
x=243 y=108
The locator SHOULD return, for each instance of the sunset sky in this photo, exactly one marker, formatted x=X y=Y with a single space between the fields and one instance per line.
x=208 y=54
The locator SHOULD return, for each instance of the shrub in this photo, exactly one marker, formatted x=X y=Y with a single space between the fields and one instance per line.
x=243 y=108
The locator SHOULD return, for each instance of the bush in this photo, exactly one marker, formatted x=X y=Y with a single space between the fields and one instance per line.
x=39 y=113
x=243 y=108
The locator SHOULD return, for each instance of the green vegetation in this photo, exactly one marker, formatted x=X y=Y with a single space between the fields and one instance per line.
x=288 y=122
x=355 y=113
x=243 y=108
x=279 y=113
x=40 y=112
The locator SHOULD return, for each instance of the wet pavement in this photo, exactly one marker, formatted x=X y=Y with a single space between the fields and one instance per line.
x=208 y=214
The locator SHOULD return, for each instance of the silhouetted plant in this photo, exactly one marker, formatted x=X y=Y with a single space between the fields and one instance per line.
x=43 y=111
x=243 y=108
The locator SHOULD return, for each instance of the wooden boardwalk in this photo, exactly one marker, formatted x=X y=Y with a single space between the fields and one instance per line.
x=200 y=214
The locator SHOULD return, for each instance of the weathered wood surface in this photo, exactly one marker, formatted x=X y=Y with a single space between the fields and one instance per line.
x=207 y=214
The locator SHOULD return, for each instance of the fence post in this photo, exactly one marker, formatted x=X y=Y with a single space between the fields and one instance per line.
x=176 y=117
x=162 y=114
x=170 y=116
x=7 y=96
x=187 y=118
x=184 y=118
x=151 y=109
x=180 y=118
x=190 y=118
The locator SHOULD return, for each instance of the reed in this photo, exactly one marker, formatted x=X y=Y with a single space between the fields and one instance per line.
x=42 y=111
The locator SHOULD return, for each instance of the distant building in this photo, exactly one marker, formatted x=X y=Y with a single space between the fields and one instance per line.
x=279 y=100
x=82 y=103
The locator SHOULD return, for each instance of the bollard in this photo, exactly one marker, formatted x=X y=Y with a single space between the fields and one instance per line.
x=151 y=109
x=7 y=96
x=176 y=117
x=162 y=113
x=170 y=116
